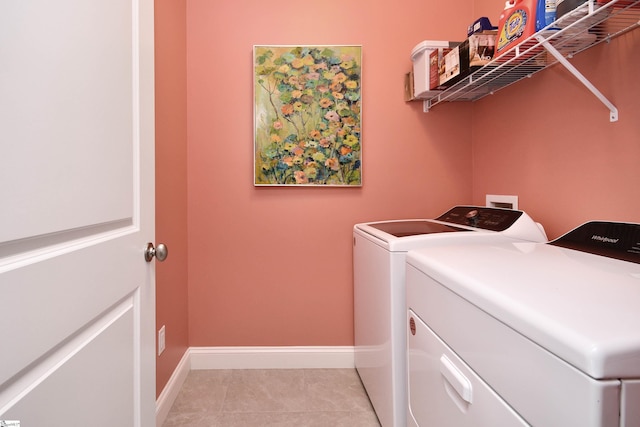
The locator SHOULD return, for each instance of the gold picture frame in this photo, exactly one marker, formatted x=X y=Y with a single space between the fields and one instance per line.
x=308 y=116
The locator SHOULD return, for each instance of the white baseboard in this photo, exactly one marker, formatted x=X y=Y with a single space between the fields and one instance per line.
x=172 y=388
x=271 y=357
x=249 y=358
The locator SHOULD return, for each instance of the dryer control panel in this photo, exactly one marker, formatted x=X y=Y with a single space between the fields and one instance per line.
x=494 y=219
x=617 y=240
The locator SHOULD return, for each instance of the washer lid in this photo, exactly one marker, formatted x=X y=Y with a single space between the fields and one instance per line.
x=413 y=227
x=582 y=307
x=403 y=235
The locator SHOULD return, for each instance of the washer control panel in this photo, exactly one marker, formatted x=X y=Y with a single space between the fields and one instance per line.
x=494 y=219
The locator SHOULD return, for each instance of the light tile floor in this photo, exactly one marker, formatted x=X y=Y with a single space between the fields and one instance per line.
x=272 y=397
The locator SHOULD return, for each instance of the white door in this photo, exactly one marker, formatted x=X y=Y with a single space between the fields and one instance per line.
x=77 y=298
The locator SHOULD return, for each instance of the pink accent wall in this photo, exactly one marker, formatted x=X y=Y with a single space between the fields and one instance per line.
x=549 y=140
x=171 y=182
x=272 y=266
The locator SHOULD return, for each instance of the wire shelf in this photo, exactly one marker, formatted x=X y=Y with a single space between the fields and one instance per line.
x=584 y=27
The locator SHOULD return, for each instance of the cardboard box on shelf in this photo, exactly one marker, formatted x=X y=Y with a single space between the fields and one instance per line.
x=481 y=48
x=408 y=87
x=454 y=65
x=436 y=67
x=473 y=53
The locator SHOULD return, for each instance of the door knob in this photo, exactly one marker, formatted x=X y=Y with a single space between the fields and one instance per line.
x=161 y=252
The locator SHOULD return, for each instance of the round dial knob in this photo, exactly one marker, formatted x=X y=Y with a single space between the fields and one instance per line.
x=472 y=217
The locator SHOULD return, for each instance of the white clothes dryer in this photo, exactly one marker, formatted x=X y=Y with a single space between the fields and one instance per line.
x=379 y=255
x=527 y=334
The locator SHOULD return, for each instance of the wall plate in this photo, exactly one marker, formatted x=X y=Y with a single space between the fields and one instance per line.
x=501 y=201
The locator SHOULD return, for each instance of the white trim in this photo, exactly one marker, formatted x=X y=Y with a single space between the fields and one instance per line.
x=271 y=357
x=172 y=388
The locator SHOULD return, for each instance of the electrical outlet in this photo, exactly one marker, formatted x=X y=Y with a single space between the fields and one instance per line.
x=161 y=340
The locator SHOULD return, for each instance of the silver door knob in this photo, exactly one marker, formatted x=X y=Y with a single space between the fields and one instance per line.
x=161 y=252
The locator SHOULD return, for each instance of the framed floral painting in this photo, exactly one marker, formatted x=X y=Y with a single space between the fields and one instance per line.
x=307 y=115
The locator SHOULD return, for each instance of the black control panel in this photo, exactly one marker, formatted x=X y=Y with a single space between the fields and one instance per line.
x=494 y=219
x=611 y=239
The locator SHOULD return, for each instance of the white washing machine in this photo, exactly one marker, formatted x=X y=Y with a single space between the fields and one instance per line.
x=527 y=334
x=379 y=255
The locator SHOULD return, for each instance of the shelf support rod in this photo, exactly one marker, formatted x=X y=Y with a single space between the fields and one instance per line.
x=613 y=116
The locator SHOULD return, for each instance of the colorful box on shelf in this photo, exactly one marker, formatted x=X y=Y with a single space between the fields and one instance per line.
x=473 y=53
x=480 y=25
x=438 y=66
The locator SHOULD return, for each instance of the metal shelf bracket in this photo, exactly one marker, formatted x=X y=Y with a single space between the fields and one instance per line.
x=613 y=111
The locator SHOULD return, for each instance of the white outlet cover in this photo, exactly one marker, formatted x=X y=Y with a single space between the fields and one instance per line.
x=161 y=340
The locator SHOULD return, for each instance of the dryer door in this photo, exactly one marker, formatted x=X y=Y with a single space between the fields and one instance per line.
x=444 y=391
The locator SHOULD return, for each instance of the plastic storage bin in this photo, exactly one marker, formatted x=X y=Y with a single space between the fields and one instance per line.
x=421 y=64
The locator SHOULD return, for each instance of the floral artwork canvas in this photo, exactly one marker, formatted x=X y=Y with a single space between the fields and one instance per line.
x=307 y=115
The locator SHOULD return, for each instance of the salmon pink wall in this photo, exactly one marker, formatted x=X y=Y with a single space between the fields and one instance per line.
x=549 y=140
x=272 y=266
x=171 y=182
